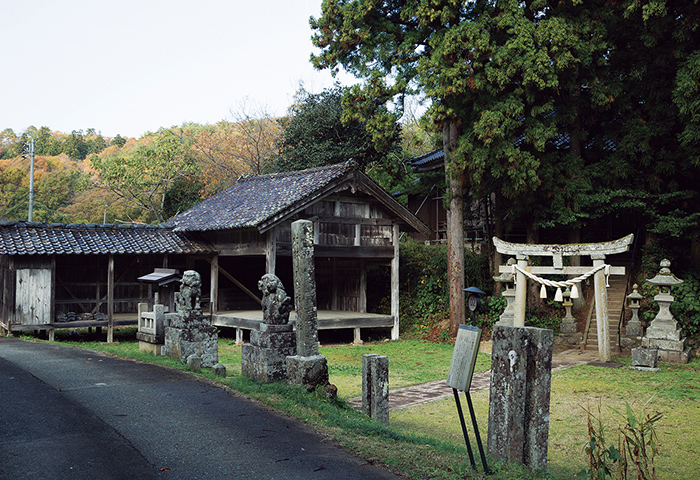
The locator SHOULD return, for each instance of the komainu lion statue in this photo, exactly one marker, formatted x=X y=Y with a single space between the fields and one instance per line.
x=188 y=297
x=276 y=304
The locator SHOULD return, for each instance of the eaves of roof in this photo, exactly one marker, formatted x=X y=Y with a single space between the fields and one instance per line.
x=29 y=238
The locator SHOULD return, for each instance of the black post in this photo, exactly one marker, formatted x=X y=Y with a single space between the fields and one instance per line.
x=476 y=432
x=464 y=428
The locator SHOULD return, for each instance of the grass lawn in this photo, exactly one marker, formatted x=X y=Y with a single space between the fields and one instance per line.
x=425 y=441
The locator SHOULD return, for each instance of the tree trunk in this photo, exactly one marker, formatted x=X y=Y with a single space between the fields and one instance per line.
x=455 y=230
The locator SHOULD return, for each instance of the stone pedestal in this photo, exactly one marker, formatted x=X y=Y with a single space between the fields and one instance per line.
x=192 y=336
x=644 y=359
x=264 y=358
x=521 y=364
x=187 y=331
x=309 y=370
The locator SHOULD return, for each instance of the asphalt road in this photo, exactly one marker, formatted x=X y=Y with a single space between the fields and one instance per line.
x=69 y=413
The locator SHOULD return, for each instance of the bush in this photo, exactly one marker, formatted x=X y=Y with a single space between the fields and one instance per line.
x=425 y=304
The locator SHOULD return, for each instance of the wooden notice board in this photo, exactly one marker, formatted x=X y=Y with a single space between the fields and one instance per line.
x=464 y=357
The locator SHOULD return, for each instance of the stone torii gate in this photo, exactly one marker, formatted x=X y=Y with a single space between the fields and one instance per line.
x=597 y=252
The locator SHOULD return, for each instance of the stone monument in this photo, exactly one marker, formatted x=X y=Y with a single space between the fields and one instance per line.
x=634 y=326
x=307 y=367
x=521 y=372
x=187 y=331
x=663 y=333
x=264 y=358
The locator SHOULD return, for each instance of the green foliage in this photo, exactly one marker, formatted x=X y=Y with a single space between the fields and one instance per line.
x=143 y=174
x=564 y=111
x=317 y=133
x=637 y=447
x=424 y=288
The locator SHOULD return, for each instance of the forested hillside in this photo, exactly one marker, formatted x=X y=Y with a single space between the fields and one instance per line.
x=85 y=177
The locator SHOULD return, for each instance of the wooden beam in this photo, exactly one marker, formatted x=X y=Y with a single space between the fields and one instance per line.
x=110 y=299
x=214 y=286
x=238 y=284
x=395 y=286
x=271 y=251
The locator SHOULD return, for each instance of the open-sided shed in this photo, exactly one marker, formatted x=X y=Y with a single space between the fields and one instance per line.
x=71 y=276
x=356 y=224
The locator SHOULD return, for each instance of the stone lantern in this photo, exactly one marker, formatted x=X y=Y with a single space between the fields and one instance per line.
x=568 y=323
x=664 y=333
x=634 y=326
x=507 y=278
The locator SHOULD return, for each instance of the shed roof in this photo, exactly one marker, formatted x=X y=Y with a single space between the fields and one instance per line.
x=27 y=238
x=265 y=200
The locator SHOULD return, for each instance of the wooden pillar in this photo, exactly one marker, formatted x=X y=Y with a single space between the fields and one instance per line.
x=214 y=286
x=395 y=285
x=110 y=299
x=520 y=292
x=601 y=309
x=52 y=304
x=363 y=287
x=271 y=252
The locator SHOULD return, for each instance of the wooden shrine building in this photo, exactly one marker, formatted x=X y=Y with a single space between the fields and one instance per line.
x=356 y=224
x=70 y=276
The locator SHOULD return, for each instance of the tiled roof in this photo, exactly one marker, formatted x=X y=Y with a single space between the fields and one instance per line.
x=428 y=162
x=26 y=238
x=253 y=199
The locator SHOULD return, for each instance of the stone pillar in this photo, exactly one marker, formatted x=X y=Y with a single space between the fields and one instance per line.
x=520 y=292
x=521 y=365
x=307 y=366
x=601 y=309
x=375 y=387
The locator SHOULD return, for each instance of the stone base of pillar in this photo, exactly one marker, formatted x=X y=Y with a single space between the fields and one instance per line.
x=265 y=357
x=674 y=351
x=311 y=370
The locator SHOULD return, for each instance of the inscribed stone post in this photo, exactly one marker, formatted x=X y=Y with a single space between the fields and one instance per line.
x=375 y=387
x=307 y=366
x=518 y=426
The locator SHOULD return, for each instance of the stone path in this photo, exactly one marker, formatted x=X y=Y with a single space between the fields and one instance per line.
x=429 y=392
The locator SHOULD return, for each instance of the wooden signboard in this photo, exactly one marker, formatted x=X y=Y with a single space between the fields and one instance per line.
x=464 y=357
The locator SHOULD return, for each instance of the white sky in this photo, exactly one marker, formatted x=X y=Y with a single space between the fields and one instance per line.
x=131 y=66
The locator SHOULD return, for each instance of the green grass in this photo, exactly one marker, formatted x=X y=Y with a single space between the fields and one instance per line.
x=425 y=441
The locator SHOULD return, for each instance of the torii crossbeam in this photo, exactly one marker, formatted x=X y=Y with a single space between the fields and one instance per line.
x=597 y=252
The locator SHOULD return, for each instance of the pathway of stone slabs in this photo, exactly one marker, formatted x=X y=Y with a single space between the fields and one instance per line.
x=429 y=392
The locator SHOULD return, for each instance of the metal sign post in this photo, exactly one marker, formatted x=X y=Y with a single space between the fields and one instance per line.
x=460 y=377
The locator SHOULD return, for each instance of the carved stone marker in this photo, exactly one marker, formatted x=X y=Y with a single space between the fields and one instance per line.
x=187 y=331
x=375 y=386
x=307 y=367
x=264 y=358
x=521 y=372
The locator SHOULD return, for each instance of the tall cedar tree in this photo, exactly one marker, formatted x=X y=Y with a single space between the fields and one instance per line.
x=317 y=134
x=545 y=106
